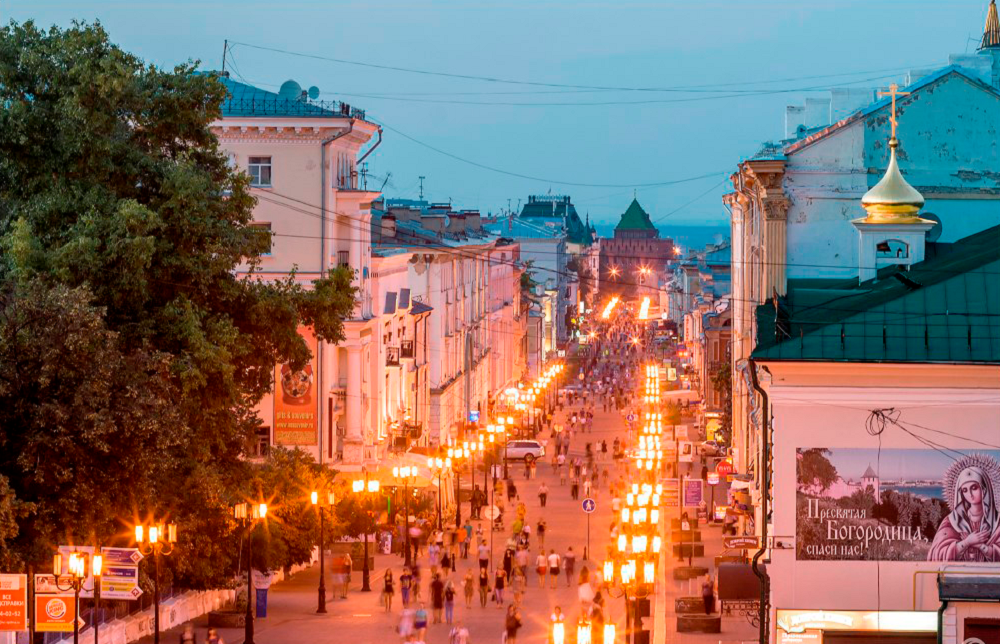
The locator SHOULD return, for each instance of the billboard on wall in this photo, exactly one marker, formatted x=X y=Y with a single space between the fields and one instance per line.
x=296 y=418
x=897 y=504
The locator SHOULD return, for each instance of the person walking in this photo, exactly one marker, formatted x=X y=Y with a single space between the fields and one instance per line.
x=543 y=494
x=214 y=637
x=569 y=562
x=519 y=584
x=499 y=581
x=420 y=622
x=554 y=565
x=541 y=567
x=406 y=624
x=540 y=531
x=483 y=554
x=437 y=598
x=469 y=587
x=405 y=582
x=449 y=602
x=484 y=586
x=459 y=634
x=512 y=624
x=188 y=636
x=708 y=594
x=388 y=590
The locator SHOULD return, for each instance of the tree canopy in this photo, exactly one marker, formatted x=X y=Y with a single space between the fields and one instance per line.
x=132 y=352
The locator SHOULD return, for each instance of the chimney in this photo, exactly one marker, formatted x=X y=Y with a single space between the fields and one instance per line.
x=388 y=226
x=817 y=112
x=795 y=116
x=435 y=223
x=456 y=223
x=473 y=220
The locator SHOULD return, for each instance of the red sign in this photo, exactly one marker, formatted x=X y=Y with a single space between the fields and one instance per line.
x=13 y=602
x=712 y=478
x=724 y=468
x=54 y=613
x=295 y=401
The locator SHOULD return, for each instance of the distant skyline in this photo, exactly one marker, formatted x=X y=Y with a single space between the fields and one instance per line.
x=899 y=464
x=725 y=48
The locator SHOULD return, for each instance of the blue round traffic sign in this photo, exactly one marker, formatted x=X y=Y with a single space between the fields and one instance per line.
x=589 y=505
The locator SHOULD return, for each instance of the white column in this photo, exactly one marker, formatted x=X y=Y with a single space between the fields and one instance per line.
x=354 y=438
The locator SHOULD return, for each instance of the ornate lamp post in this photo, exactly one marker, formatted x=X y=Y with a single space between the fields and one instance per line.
x=458 y=455
x=438 y=465
x=77 y=575
x=248 y=515
x=362 y=487
x=406 y=475
x=315 y=498
x=158 y=540
x=638 y=547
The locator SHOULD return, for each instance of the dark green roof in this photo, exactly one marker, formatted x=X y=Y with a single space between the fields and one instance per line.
x=559 y=207
x=944 y=309
x=635 y=218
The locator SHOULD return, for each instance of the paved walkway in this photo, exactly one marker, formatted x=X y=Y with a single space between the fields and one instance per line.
x=361 y=619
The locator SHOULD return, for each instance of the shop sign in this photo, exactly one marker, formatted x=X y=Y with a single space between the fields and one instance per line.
x=295 y=400
x=741 y=542
x=724 y=468
x=670 y=493
x=13 y=602
x=800 y=621
x=810 y=636
x=896 y=505
x=54 y=613
x=712 y=478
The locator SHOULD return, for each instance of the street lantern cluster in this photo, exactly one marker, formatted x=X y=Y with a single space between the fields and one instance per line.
x=649 y=452
x=321 y=501
x=78 y=571
x=365 y=486
x=407 y=476
x=156 y=539
x=247 y=515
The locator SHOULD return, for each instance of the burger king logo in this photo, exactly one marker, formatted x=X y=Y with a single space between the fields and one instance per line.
x=55 y=608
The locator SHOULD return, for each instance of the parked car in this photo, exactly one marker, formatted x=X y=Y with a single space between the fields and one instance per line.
x=712 y=448
x=527 y=451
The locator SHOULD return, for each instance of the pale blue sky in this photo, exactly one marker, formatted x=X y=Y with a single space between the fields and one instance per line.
x=666 y=43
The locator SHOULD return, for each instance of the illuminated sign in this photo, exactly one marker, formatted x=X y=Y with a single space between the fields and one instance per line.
x=800 y=621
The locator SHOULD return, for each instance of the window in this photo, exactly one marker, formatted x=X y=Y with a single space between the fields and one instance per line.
x=343 y=258
x=262 y=442
x=260 y=171
x=264 y=230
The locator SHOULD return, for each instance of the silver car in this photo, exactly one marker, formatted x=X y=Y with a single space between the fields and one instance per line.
x=525 y=450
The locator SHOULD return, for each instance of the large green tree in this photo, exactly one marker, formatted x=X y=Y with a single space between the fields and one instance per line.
x=133 y=352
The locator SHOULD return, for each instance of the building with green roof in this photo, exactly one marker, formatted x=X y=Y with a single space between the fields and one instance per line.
x=636 y=257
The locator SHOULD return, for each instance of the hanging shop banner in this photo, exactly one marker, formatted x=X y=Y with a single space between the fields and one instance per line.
x=897 y=505
x=671 y=493
x=296 y=417
x=13 y=602
x=54 y=613
x=693 y=493
x=686 y=452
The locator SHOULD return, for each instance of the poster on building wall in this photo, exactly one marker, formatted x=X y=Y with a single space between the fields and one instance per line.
x=296 y=418
x=897 y=504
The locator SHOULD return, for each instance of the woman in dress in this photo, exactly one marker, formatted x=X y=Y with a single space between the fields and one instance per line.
x=971 y=531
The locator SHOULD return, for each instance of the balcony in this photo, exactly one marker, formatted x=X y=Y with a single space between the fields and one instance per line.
x=392 y=356
x=407 y=350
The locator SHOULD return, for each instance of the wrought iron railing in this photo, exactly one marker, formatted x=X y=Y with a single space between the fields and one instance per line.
x=290 y=107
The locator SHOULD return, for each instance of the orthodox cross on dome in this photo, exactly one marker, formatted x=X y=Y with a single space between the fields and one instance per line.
x=893 y=92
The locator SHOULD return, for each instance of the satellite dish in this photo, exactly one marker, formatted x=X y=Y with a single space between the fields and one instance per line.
x=934 y=233
x=290 y=90
x=314 y=92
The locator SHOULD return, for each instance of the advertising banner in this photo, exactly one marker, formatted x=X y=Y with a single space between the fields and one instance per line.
x=671 y=493
x=897 y=505
x=54 y=613
x=120 y=582
x=13 y=602
x=687 y=452
x=296 y=417
x=693 y=493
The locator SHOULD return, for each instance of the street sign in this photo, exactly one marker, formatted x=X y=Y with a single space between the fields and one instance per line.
x=492 y=512
x=120 y=582
x=121 y=556
x=724 y=468
x=631 y=418
x=589 y=505
x=121 y=573
x=13 y=602
x=474 y=416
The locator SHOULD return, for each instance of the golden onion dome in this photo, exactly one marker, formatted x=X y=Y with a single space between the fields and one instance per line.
x=892 y=200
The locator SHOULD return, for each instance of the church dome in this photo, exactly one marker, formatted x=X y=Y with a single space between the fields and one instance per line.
x=892 y=200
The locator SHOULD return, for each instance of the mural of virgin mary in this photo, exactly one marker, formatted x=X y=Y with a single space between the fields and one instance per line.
x=971 y=531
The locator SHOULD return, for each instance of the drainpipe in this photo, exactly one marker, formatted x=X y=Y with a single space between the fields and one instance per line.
x=322 y=271
x=371 y=149
x=940 y=620
x=765 y=581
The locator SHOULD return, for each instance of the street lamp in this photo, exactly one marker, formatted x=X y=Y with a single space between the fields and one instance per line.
x=247 y=515
x=77 y=575
x=459 y=455
x=406 y=475
x=157 y=539
x=314 y=497
x=439 y=465
x=365 y=486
